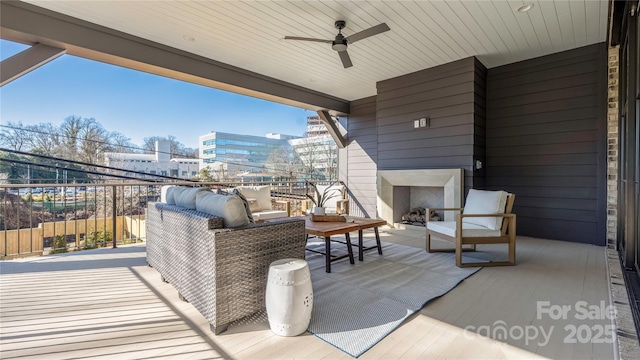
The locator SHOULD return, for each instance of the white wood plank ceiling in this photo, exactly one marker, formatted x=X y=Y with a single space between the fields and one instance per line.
x=249 y=34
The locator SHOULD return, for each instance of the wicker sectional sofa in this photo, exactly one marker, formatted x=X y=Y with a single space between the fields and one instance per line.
x=221 y=271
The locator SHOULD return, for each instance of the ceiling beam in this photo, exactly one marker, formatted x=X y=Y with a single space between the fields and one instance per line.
x=26 y=61
x=333 y=128
x=30 y=24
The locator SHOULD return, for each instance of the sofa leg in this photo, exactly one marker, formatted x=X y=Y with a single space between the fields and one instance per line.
x=219 y=329
x=182 y=298
x=163 y=279
x=149 y=265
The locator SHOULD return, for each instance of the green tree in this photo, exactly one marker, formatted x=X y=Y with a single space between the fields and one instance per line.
x=11 y=170
x=205 y=174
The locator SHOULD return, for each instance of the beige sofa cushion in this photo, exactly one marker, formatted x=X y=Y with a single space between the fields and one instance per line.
x=262 y=194
x=166 y=194
x=184 y=196
x=229 y=207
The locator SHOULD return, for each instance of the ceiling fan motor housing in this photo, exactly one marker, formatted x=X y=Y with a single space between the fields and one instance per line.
x=340 y=43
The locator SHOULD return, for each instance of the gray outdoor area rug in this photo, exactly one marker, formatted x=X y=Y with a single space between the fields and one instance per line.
x=356 y=306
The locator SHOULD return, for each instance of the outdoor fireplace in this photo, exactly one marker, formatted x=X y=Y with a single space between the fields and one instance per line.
x=401 y=192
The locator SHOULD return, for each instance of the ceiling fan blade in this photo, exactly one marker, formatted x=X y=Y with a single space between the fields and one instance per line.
x=307 y=39
x=368 y=32
x=346 y=60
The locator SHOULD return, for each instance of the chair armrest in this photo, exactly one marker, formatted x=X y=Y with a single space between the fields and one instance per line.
x=511 y=223
x=488 y=215
x=287 y=205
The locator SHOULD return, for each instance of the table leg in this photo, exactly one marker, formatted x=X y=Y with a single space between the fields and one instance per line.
x=348 y=237
x=375 y=229
x=360 y=246
x=327 y=256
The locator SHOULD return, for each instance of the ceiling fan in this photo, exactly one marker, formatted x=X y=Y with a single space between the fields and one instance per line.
x=340 y=43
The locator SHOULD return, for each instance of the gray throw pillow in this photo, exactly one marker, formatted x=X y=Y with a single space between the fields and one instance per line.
x=245 y=202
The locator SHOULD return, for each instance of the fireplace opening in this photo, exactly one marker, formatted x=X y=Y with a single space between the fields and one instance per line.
x=418 y=217
x=410 y=203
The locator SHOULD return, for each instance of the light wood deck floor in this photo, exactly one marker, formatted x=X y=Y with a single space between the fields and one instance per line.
x=107 y=304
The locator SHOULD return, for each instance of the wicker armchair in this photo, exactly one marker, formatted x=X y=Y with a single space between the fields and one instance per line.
x=222 y=272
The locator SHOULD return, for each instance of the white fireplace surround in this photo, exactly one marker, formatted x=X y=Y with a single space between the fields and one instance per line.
x=452 y=180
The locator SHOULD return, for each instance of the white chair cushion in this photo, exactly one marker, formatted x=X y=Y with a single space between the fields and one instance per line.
x=269 y=214
x=468 y=230
x=262 y=194
x=229 y=207
x=166 y=194
x=485 y=202
x=185 y=196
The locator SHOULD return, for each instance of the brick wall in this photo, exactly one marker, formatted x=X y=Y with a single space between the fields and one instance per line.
x=612 y=144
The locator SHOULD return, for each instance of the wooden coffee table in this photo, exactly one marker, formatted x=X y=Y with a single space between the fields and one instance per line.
x=368 y=224
x=327 y=229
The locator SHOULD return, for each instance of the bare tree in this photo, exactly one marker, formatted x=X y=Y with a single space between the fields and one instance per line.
x=94 y=141
x=44 y=138
x=284 y=163
x=70 y=133
x=14 y=136
x=120 y=143
x=319 y=157
x=85 y=139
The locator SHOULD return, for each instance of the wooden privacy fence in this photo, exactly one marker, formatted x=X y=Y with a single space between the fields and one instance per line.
x=31 y=241
x=22 y=206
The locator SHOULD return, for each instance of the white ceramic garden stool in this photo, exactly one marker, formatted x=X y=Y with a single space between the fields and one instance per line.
x=289 y=297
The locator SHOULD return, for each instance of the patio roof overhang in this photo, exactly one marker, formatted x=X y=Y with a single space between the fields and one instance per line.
x=29 y=24
x=239 y=46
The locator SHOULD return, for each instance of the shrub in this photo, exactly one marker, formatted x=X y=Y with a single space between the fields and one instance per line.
x=94 y=240
x=59 y=245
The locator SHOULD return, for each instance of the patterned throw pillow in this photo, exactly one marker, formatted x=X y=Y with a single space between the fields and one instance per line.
x=247 y=206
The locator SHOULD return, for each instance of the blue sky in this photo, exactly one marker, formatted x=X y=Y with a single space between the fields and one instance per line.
x=137 y=104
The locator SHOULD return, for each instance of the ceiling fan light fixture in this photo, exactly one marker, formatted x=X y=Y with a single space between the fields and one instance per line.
x=339 y=46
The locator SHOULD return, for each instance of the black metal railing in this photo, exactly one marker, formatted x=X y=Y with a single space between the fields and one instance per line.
x=52 y=218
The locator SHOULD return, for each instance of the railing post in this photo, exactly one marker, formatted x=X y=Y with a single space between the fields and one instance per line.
x=113 y=215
